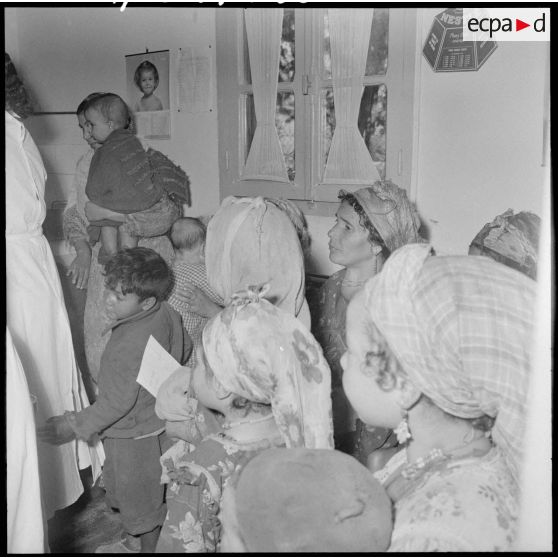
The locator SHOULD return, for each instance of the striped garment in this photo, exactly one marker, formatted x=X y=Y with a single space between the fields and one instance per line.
x=462 y=329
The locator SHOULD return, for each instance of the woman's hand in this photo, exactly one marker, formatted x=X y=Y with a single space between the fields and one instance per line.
x=79 y=268
x=197 y=301
x=95 y=212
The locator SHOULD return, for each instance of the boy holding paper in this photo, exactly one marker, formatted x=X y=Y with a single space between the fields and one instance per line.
x=124 y=412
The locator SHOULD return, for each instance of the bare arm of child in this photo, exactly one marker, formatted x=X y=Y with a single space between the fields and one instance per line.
x=95 y=212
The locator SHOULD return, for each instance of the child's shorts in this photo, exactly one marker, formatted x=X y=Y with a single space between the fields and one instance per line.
x=155 y=221
x=132 y=476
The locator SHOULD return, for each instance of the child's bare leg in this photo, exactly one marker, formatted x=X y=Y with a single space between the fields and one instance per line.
x=126 y=240
x=149 y=541
x=109 y=240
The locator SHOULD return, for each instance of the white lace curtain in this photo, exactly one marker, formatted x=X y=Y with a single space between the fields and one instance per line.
x=263 y=28
x=349 y=161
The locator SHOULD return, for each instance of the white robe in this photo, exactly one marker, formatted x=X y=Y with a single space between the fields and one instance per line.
x=38 y=321
x=26 y=526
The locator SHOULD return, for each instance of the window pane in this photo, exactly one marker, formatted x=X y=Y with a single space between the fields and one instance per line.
x=371 y=123
x=284 y=122
x=377 y=59
x=287 y=55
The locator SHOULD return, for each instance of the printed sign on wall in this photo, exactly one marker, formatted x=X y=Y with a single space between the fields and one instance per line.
x=445 y=49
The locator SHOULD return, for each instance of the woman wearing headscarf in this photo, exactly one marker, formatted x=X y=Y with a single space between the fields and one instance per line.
x=85 y=270
x=511 y=239
x=439 y=348
x=251 y=241
x=35 y=312
x=304 y=500
x=370 y=224
x=266 y=374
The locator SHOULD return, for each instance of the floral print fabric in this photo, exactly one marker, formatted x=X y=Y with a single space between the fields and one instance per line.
x=465 y=505
x=196 y=480
x=265 y=354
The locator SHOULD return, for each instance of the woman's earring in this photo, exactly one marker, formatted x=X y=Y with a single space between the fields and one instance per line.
x=402 y=431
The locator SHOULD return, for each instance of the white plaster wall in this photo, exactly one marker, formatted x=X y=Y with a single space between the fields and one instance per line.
x=89 y=45
x=479 y=144
x=479 y=134
x=480 y=140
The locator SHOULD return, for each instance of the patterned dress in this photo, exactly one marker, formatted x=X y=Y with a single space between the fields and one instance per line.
x=196 y=480
x=452 y=505
x=329 y=328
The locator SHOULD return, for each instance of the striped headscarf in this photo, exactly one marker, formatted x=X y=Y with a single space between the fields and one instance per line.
x=462 y=329
x=266 y=355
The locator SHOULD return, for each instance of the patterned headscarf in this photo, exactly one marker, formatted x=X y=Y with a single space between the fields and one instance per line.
x=252 y=242
x=266 y=355
x=301 y=500
x=462 y=329
x=513 y=237
x=388 y=208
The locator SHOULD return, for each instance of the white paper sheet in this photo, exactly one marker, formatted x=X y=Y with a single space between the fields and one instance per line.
x=156 y=366
x=194 y=80
x=155 y=124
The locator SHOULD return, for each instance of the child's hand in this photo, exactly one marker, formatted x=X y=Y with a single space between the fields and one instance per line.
x=79 y=268
x=56 y=431
x=197 y=301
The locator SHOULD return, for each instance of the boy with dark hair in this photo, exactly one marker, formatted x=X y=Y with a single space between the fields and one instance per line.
x=124 y=412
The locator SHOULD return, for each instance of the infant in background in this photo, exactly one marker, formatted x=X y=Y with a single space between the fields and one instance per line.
x=125 y=202
x=188 y=239
x=146 y=78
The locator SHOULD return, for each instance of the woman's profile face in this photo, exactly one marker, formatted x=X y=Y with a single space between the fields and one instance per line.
x=202 y=385
x=367 y=354
x=349 y=244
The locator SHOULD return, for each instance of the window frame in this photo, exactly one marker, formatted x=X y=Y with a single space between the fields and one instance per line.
x=399 y=78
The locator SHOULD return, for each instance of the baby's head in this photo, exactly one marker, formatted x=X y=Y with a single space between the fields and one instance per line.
x=80 y=113
x=106 y=113
x=146 y=77
x=187 y=235
x=135 y=280
x=303 y=500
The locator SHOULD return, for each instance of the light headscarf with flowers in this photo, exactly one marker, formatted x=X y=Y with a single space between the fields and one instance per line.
x=265 y=354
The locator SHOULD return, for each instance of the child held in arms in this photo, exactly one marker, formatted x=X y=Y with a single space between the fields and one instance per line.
x=124 y=412
x=146 y=78
x=188 y=239
x=125 y=202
